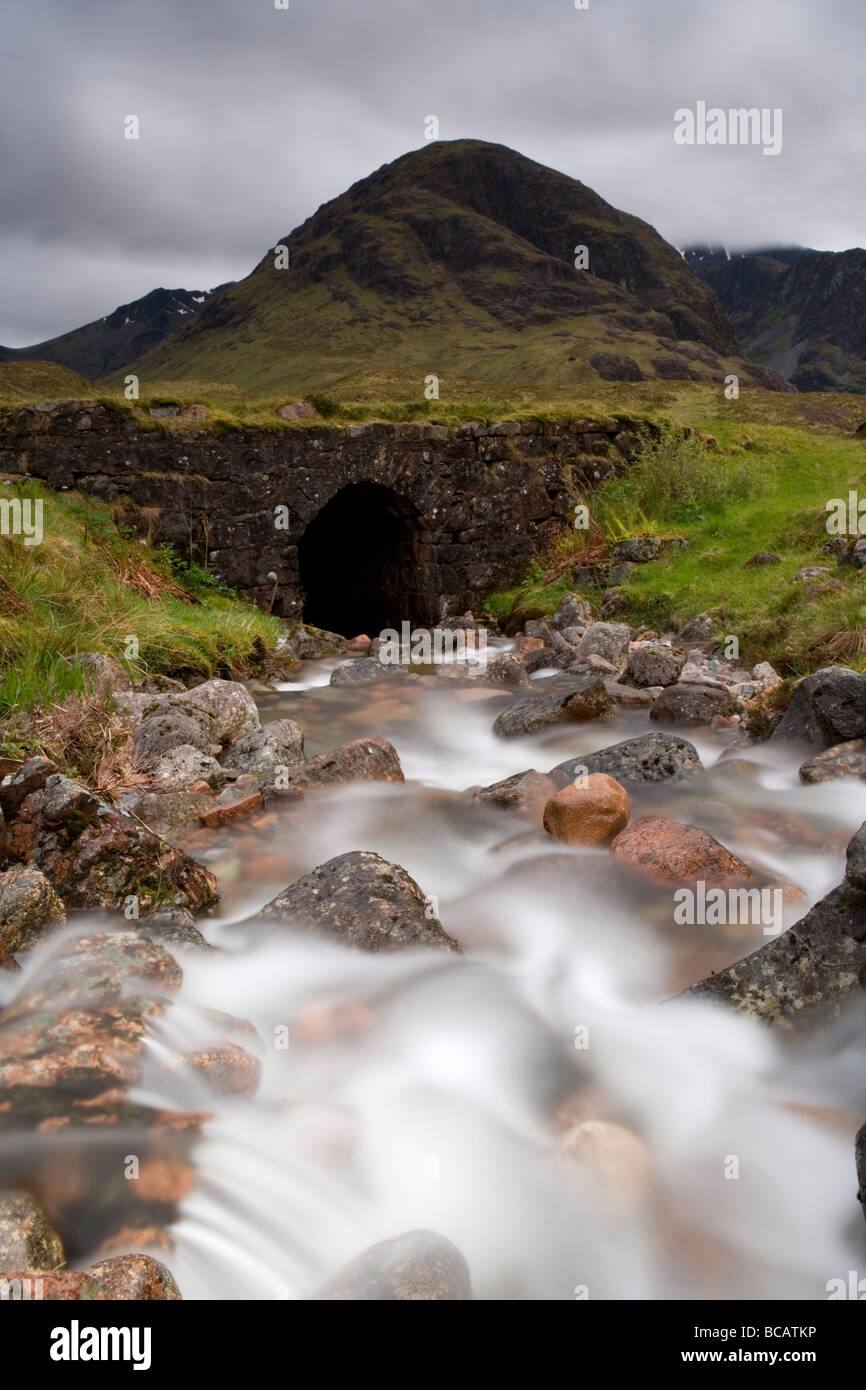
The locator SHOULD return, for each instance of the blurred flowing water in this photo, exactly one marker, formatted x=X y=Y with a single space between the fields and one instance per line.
x=428 y=1090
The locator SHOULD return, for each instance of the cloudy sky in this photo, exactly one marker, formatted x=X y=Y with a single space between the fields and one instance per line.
x=251 y=117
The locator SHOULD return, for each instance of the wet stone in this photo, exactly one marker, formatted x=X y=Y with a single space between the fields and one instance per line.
x=419 y=1266
x=27 y=1238
x=363 y=900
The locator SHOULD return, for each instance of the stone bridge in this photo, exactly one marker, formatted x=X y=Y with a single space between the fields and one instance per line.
x=354 y=529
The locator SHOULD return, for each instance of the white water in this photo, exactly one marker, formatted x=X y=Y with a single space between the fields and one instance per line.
x=422 y=1090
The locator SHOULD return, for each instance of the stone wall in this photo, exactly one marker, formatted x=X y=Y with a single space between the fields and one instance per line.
x=480 y=499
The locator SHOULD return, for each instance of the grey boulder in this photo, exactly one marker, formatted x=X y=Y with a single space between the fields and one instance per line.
x=692 y=704
x=278 y=743
x=655 y=757
x=827 y=708
x=585 y=698
x=655 y=663
x=608 y=640
x=182 y=766
x=363 y=900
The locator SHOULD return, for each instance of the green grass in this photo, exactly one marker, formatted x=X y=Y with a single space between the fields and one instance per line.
x=89 y=588
x=533 y=594
x=674 y=479
x=766 y=489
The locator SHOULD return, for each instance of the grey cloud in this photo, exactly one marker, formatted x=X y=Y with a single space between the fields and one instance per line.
x=252 y=117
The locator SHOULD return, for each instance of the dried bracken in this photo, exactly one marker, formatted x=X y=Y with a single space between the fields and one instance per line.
x=143 y=579
x=567 y=555
x=85 y=734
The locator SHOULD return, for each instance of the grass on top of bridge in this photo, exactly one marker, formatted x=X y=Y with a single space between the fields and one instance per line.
x=391 y=396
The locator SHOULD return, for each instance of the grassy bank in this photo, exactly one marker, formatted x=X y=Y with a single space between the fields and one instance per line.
x=88 y=587
x=765 y=490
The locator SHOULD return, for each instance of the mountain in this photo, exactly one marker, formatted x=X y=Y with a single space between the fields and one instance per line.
x=459 y=258
x=108 y=345
x=799 y=311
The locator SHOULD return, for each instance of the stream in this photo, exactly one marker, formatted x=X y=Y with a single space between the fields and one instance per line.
x=422 y=1089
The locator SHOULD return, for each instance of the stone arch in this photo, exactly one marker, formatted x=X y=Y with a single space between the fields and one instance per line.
x=364 y=563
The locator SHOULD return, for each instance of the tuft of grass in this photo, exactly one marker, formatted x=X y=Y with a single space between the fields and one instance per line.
x=674 y=478
x=324 y=404
x=535 y=592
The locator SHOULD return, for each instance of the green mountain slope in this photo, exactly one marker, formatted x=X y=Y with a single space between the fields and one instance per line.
x=459 y=258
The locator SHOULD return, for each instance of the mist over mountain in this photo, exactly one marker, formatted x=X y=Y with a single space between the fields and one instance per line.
x=799 y=311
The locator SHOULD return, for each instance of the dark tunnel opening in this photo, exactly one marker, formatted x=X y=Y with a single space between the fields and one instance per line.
x=362 y=563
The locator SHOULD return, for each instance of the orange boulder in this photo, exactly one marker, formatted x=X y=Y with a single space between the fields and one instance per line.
x=590 y=811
